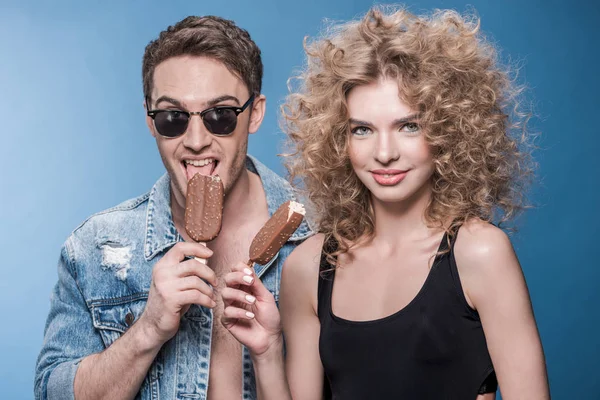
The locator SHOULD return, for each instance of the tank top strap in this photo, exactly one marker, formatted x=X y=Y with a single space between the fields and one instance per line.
x=326 y=275
x=455 y=277
x=453 y=269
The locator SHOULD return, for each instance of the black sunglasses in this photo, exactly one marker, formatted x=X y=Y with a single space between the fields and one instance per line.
x=219 y=120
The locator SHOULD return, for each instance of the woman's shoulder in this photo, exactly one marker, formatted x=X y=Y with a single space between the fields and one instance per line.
x=300 y=276
x=484 y=256
x=303 y=263
x=477 y=240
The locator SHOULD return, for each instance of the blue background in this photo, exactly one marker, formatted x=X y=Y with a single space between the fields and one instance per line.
x=74 y=142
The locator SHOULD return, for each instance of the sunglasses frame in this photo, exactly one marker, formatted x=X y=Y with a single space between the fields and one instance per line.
x=237 y=110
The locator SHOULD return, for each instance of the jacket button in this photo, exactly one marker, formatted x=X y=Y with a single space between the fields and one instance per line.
x=129 y=318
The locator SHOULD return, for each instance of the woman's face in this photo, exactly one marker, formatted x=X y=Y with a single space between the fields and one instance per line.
x=387 y=147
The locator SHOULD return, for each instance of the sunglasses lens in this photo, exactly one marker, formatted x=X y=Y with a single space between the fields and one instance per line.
x=220 y=121
x=171 y=123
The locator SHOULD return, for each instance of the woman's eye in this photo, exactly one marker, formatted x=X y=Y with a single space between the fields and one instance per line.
x=361 y=131
x=410 y=127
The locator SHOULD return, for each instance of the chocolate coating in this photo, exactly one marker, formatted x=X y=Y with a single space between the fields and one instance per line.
x=204 y=207
x=278 y=229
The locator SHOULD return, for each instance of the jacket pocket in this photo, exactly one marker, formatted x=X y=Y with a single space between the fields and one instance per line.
x=112 y=317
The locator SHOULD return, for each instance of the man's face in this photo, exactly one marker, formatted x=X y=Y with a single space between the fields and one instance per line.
x=193 y=84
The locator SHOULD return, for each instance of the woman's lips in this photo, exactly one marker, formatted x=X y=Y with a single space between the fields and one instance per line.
x=388 y=177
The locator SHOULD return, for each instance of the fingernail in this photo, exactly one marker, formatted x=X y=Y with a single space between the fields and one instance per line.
x=251 y=299
x=248 y=279
x=249 y=314
x=214 y=303
x=247 y=271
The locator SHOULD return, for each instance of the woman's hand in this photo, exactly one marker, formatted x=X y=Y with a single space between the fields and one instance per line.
x=250 y=313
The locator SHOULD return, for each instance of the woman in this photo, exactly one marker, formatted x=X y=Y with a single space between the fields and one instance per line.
x=407 y=141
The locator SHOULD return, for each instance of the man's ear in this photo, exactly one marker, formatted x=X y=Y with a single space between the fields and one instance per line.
x=259 y=106
x=149 y=121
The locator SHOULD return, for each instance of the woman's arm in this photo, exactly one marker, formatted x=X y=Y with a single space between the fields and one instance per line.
x=298 y=302
x=252 y=317
x=494 y=285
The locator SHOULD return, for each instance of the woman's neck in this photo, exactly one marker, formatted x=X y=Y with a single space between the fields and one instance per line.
x=401 y=221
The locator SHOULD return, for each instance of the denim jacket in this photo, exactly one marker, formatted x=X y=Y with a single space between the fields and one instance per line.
x=104 y=276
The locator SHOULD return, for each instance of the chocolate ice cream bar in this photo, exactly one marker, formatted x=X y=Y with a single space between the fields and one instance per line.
x=204 y=207
x=277 y=230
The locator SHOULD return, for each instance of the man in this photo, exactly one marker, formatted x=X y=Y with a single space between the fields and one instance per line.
x=133 y=314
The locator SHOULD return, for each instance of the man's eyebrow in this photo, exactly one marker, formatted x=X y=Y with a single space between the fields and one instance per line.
x=210 y=103
x=225 y=97
x=171 y=100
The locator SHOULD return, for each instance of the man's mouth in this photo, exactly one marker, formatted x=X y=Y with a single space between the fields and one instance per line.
x=206 y=166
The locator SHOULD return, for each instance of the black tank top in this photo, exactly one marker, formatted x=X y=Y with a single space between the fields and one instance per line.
x=434 y=348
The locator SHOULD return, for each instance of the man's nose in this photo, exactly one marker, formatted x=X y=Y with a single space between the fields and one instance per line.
x=196 y=136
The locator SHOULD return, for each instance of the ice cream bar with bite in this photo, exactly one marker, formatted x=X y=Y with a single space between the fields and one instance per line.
x=204 y=207
x=278 y=229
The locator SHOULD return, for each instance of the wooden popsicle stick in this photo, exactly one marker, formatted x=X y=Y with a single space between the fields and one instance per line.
x=201 y=260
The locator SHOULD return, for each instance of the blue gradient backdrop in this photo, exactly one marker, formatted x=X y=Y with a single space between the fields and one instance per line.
x=74 y=142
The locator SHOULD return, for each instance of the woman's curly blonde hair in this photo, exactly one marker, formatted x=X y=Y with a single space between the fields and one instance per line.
x=469 y=111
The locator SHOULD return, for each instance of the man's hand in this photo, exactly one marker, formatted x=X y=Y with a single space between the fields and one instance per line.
x=177 y=284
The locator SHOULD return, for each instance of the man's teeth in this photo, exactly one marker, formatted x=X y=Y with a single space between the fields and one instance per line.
x=200 y=163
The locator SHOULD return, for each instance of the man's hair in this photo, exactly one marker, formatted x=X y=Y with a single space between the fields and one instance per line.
x=211 y=37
